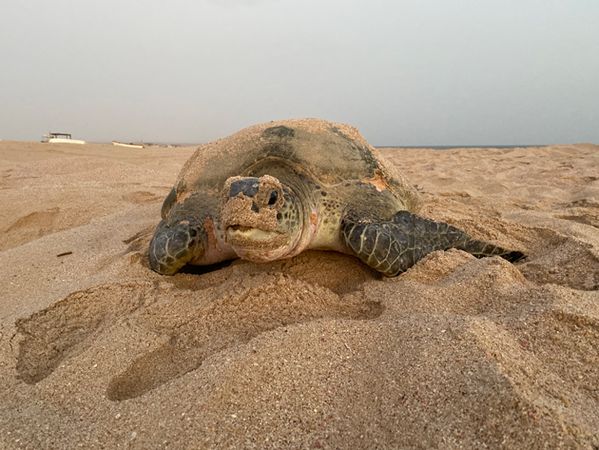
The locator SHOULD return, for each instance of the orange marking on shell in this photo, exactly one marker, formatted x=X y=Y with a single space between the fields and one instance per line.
x=378 y=181
x=313 y=218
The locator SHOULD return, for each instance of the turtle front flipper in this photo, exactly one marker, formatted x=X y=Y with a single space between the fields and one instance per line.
x=174 y=245
x=393 y=246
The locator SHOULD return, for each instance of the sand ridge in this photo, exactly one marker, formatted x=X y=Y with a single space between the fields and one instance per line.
x=318 y=351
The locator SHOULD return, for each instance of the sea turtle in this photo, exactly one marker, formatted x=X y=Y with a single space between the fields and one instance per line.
x=273 y=190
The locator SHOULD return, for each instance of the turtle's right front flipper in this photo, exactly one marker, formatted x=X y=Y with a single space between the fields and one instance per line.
x=392 y=247
x=174 y=245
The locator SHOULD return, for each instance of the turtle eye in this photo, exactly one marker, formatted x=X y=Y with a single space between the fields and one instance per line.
x=273 y=198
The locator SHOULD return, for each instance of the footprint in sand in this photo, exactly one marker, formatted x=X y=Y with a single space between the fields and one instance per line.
x=223 y=309
x=38 y=221
x=31 y=226
x=139 y=197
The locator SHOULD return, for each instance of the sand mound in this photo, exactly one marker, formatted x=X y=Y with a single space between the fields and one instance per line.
x=313 y=352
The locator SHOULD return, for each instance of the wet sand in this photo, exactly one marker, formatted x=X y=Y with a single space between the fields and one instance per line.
x=97 y=351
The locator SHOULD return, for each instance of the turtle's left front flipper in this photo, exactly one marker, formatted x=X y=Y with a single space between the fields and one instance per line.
x=392 y=247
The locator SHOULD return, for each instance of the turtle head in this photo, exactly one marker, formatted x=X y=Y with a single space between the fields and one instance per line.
x=262 y=218
x=178 y=239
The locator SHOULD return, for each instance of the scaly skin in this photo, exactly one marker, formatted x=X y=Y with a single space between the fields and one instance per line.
x=393 y=247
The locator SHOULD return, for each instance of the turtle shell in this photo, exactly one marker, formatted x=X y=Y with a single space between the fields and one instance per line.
x=329 y=153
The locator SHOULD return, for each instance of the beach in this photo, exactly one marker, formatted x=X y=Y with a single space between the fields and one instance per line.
x=318 y=351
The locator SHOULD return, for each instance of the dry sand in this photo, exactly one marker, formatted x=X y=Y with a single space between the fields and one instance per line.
x=97 y=351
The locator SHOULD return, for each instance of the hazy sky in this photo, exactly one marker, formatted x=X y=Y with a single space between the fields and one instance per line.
x=419 y=72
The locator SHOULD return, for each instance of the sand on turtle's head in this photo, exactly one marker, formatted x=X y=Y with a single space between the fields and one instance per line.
x=262 y=218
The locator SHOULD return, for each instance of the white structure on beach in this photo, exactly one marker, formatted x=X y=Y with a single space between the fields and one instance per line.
x=61 y=138
x=127 y=144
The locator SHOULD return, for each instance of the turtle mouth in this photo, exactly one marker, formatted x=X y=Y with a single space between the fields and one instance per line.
x=244 y=235
x=256 y=244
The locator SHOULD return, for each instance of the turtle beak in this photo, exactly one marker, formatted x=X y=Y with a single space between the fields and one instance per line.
x=172 y=246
